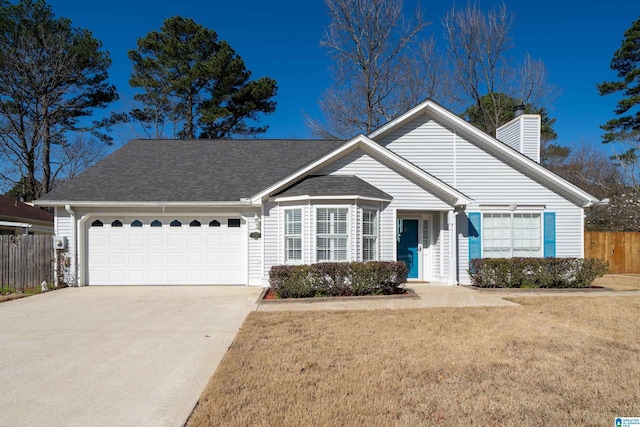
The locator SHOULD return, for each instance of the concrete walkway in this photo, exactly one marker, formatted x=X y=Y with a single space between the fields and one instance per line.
x=114 y=356
x=431 y=295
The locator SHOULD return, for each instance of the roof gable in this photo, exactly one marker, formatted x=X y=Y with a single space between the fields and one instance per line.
x=515 y=159
x=435 y=186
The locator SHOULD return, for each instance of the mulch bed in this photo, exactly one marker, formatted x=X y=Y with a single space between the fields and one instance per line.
x=537 y=290
x=268 y=296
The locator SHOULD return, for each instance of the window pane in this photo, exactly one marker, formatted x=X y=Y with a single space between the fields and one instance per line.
x=293 y=248
x=496 y=235
x=332 y=234
x=527 y=229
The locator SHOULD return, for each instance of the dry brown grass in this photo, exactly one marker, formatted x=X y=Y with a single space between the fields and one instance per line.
x=552 y=361
x=619 y=282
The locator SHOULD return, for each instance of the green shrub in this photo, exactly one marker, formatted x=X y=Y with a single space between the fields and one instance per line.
x=289 y=282
x=535 y=272
x=337 y=279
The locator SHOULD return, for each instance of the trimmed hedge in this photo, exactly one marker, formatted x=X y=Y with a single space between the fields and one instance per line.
x=337 y=279
x=535 y=272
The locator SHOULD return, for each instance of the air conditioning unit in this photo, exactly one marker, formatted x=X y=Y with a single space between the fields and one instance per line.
x=59 y=242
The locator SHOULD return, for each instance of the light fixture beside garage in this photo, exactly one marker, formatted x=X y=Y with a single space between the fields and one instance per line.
x=257 y=222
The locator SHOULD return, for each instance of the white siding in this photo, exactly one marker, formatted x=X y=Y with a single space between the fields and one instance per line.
x=462 y=251
x=405 y=193
x=436 y=245
x=531 y=136
x=255 y=257
x=509 y=133
x=271 y=236
x=63 y=223
x=523 y=135
x=484 y=178
x=423 y=141
x=387 y=234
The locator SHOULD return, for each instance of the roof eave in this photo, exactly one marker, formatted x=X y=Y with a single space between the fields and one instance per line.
x=80 y=203
x=331 y=197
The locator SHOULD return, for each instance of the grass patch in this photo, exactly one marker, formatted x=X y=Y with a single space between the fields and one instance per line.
x=552 y=361
x=8 y=294
x=619 y=283
x=4 y=298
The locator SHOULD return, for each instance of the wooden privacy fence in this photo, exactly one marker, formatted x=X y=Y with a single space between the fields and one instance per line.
x=26 y=261
x=621 y=249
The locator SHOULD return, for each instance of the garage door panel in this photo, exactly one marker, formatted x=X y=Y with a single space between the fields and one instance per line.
x=215 y=239
x=136 y=240
x=116 y=239
x=116 y=276
x=157 y=258
x=136 y=258
x=156 y=277
x=136 y=276
x=156 y=239
x=195 y=258
x=175 y=240
x=174 y=257
x=166 y=255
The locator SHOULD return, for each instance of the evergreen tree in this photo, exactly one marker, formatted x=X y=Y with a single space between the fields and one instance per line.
x=625 y=128
x=51 y=76
x=197 y=82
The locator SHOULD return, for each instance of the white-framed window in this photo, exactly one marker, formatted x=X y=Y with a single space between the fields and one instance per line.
x=332 y=232
x=506 y=235
x=369 y=235
x=293 y=235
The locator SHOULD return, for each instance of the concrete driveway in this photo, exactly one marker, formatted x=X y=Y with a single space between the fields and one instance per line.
x=114 y=356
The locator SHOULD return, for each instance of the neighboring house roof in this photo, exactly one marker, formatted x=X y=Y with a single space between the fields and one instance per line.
x=490 y=144
x=15 y=210
x=189 y=171
x=332 y=186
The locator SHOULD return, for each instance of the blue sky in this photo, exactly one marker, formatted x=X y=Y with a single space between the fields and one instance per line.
x=280 y=39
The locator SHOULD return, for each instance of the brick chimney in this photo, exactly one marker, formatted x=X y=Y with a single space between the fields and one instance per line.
x=522 y=133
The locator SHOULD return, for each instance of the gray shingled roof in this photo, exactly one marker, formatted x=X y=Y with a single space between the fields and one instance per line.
x=200 y=170
x=334 y=185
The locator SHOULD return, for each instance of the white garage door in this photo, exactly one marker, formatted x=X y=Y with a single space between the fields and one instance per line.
x=167 y=251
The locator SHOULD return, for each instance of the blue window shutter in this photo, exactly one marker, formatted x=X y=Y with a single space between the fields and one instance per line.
x=475 y=240
x=550 y=234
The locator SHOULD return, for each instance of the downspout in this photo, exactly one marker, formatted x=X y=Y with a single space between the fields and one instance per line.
x=74 y=245
x=81 y=250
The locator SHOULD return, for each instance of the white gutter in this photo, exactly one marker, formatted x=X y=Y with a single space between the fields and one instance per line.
x=308 y=198
x=24 y=225
x=74 y=244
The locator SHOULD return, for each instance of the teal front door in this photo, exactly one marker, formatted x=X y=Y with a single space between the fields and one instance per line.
x=408 y=246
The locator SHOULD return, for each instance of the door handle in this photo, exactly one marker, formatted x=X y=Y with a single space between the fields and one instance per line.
x=420 y=247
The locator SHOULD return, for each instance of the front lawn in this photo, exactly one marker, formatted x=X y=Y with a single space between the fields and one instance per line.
x=619 y=282
x=552 y=361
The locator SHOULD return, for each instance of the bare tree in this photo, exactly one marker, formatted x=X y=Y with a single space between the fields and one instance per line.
x=73 y=157
x=380 y=69
x=477 y=52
